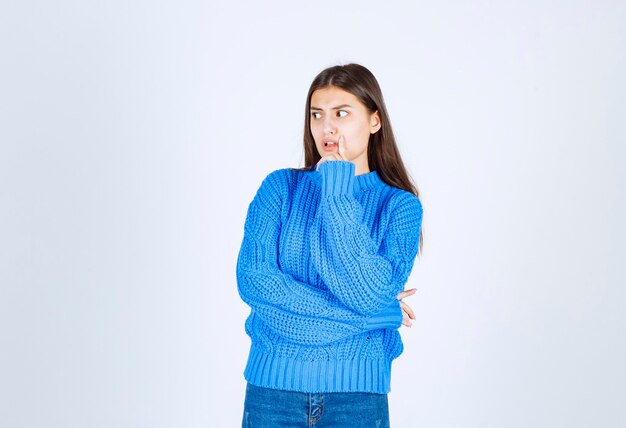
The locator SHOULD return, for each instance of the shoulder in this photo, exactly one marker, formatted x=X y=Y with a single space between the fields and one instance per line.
x=276 y=187
x=277 y=182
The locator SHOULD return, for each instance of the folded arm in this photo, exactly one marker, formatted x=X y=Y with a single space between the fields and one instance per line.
x=363 y=275
x=296 y=310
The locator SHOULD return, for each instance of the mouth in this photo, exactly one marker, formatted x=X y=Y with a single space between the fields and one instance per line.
x=330 y=146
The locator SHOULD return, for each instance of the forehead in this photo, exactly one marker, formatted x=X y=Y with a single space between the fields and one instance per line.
x=334 y=96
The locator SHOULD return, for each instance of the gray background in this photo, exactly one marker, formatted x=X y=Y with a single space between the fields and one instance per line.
x=134 y=135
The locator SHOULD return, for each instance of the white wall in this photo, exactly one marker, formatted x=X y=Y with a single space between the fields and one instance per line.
x=133 y=135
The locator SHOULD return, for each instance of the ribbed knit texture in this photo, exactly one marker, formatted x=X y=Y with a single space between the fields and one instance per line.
x=324 y=255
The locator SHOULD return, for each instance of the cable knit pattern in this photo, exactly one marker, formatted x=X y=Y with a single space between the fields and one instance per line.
x=324 y=255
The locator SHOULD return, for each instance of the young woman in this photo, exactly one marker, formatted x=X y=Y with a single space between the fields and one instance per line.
x=326 y=252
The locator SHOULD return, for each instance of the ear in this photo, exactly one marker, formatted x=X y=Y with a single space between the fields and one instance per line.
x=375 y=122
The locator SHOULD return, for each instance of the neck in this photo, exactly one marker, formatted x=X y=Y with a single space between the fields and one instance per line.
x=361 y=168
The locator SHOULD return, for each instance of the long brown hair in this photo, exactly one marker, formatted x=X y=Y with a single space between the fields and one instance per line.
x=383 y=155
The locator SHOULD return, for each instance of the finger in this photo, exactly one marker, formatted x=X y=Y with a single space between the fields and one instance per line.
x=408 y=310
x=405 y=314
x=406 y=321
x=331 y=156
x=406 y=293
x=321 y=161
x=341 y=147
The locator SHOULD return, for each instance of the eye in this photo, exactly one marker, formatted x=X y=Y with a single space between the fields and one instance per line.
x=342 y=111
x=313 y=114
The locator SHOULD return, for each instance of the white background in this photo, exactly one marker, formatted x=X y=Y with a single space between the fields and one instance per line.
x=134 y=135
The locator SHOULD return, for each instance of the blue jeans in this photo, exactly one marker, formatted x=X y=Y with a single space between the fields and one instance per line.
x=273 y=408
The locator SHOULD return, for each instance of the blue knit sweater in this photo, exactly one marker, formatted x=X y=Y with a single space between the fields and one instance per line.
x=324 y=255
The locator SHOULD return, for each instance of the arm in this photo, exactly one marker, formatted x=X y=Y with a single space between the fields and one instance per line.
x=294 y=309
x=362 y=276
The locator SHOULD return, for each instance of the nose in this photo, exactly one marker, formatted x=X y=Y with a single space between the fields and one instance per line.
x=329 y=126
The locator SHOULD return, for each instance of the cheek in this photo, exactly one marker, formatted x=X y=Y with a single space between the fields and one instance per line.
x=315 y=131
x=356 y=134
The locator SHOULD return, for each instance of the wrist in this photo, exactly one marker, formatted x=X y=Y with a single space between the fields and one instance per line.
x=389 y=317
x=337 y=177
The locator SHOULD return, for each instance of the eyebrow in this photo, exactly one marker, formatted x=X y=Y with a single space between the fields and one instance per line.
x=334 y=108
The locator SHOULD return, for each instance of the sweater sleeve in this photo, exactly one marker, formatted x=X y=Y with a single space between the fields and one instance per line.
x=364 y=276
x=294 y=309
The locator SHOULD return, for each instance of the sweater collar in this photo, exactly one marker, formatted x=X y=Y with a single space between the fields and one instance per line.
x=369 y=180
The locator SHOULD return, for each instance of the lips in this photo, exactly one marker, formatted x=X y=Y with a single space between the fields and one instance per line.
x=330 y=146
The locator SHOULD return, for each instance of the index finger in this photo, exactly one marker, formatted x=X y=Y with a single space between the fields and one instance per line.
x=341 y=147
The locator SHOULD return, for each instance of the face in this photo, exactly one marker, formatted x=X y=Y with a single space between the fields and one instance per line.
x=335 y=112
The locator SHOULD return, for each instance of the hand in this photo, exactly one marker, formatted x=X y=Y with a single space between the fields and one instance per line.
x=339 y=155
x=407 y=312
